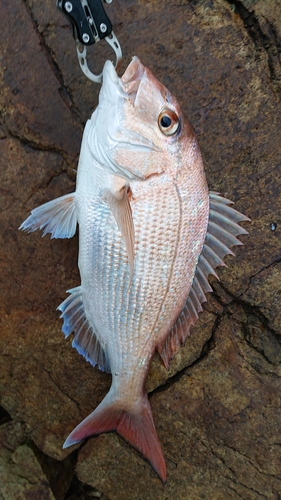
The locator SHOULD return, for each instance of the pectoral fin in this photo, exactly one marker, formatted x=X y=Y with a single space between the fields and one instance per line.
x=58 y=217
x=121 y=209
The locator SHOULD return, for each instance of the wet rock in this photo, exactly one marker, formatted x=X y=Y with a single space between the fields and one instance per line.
x=21 y=476
x=25 y=472
x=218 y=424
x=60 y=474
x=80 y=491
x=4 y=416
x=44 y=269
x=29 y=86
x=218 y=421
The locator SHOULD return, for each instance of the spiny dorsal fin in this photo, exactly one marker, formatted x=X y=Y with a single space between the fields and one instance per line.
x=223 y=227
x=58 y=217
x=120 y=207
x=85 y=339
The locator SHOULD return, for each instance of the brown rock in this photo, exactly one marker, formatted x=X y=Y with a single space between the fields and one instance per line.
x=219 y=421
x=60 y=474
x=219 y=426
x=21 y=476
x=29 y=86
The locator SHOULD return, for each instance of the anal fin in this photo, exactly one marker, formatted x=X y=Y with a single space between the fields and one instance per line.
x=223 y=229
x=58 y=217
x=85 y=339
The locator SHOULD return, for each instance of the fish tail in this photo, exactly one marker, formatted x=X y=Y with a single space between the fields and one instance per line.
x=136 y=426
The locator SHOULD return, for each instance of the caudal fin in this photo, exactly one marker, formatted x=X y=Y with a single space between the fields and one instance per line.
x=135 y=426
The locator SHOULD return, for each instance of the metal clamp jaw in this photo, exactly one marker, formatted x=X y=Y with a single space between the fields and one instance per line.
x=90 y=24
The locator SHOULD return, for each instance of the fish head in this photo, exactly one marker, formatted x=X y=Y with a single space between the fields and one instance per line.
x=139 y=129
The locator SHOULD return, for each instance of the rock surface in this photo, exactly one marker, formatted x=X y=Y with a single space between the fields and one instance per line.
x=224 y=414
x=21 y=476
x=218 y=409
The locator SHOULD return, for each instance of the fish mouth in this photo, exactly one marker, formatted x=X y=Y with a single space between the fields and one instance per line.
x=128 y=84
x=113 y=139
x=114 y=91
x=132 y=77
x=134 y=71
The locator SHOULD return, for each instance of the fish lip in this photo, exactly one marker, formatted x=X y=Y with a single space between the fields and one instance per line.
x=109 y=72
x=115 y=90
x=127 y=86
x=110 y=80
x=134 y=71
x=129 y=83
x=131 y=79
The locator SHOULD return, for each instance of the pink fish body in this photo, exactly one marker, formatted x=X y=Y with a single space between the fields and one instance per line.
x=150 y=233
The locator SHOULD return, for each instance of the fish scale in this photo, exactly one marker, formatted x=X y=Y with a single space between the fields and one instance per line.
x=150 y=234
x=183 y=263
x=114 y=296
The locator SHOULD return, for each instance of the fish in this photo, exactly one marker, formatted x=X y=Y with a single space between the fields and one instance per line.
x=150 y=234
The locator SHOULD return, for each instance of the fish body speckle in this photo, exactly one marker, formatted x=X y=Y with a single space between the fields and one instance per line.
x=150 y=233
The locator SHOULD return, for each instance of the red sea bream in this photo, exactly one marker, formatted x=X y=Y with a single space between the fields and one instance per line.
x=150 y=233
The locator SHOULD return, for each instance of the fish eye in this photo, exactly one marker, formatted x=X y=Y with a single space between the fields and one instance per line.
x=168 y=122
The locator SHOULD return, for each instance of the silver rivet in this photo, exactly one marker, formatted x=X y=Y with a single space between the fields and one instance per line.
x=103 y=28
x=85 y=37
x=68 y=6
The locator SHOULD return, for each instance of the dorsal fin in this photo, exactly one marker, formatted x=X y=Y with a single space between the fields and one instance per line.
x=223 y=227
x=85 y=340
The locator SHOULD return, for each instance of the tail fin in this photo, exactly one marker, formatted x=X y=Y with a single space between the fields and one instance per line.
x=135 y=426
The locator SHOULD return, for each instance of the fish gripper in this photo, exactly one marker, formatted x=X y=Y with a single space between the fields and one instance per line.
x=90 y=24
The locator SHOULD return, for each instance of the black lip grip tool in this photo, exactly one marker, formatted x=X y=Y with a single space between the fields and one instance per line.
x=90 y=24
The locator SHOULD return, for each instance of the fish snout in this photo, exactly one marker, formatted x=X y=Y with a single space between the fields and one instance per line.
x=109 y=72
x=132 y=77
x=110 y=84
